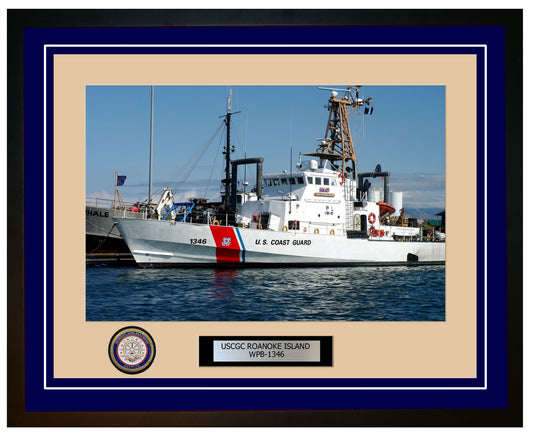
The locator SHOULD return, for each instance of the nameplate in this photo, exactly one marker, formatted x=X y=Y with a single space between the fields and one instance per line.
x=325 y=194
x=265 y=350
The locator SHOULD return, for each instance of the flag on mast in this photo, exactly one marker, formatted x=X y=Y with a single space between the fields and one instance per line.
x=120 y=180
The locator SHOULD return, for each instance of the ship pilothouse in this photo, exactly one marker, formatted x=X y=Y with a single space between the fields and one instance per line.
x=309 y=200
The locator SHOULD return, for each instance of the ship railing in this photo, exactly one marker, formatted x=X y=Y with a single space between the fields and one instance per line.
x=122 y=209
x=410 y=236
x=126 y=212
x=99 y=202
x=349 y=189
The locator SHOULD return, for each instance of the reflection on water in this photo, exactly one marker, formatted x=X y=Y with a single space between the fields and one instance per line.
x=223 y=283
x=291 y=294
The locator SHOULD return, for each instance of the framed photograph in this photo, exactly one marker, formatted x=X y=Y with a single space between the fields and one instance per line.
x=284 y=212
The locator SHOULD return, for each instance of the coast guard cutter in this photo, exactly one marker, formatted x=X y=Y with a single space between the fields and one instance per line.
x=320 y=214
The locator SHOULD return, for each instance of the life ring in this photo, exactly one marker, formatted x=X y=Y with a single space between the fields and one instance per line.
x=284 y=229
x=316 y=231
x=341 y=178
x=255 y=218
x=215 y=223
x=332 y=232
x=372 y=218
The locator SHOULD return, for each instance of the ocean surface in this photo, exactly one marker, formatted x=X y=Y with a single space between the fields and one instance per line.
x=402 y=293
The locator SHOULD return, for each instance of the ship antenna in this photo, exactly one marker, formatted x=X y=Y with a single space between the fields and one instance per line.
x=290 y=165
x=228 y=150
x=290 y=184
x=338 y=144
x=151 y=146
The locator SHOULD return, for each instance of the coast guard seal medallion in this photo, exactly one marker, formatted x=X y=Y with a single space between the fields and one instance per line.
x=132 y=350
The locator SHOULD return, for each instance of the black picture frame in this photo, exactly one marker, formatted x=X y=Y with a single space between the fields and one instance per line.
x=17 y=355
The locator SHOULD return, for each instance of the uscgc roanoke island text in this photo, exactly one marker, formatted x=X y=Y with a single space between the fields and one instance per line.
x=266 y=350
x=265 y=345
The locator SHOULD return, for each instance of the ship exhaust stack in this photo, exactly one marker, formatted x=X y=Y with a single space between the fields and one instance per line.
x=259 y=178
x=384 y=175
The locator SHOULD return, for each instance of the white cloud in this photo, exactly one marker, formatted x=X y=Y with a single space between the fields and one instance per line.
x=423 y=199
x=418 y=181
x=420 y=190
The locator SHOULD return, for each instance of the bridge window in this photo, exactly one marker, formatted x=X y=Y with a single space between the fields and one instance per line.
x=284 y=181
x=318 y=181
x=309 y=179
x=326 y=181
x=292 y=181
x=300 y=179
x=275 y=181
x=268 y=182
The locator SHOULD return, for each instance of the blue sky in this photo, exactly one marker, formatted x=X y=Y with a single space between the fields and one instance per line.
x=405 y=134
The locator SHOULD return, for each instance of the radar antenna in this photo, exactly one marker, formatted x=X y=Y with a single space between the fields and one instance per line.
x=337 y=144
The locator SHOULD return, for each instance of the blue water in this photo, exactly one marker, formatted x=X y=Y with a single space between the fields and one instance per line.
x=403 y=293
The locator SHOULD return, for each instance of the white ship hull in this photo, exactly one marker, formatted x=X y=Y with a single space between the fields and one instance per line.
x=156 y=243
x=99 y=222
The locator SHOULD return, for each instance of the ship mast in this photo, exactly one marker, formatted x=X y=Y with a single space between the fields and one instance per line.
x=337 y=144
x=228 y=150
